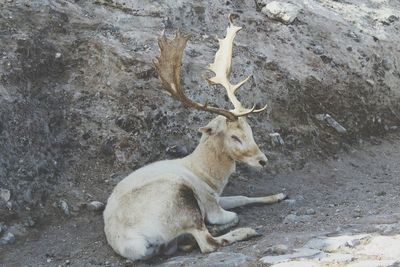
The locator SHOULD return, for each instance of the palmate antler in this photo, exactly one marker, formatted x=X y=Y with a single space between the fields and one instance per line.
x=169 y=63
x=168 y=66
x=222 y=69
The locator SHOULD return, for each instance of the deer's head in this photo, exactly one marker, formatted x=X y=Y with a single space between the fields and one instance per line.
x=230 y=127
x=236 y=140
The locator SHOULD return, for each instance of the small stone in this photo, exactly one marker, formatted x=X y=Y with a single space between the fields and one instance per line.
x=392 y=18
x=353 y=243
x=331 y=122
x=387 y=64
x=96 y=206
x=370 y=82
x=277 y=250
x=5 y=194
x=353 y=36
x=276 y=139
x=67 y=262
x=8 y=238
x=64 y=207
x=108 y=83
x=49 y=260
x=176 y=151
x=299 y=263
x=310 y=212
x=332 y=244
x=293 y=218
x=58 y=55
x=318 y=50
x=29 y=222
x=284 y=12
x=296 y=200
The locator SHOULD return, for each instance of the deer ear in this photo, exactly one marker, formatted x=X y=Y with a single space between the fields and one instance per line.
x=215 y=126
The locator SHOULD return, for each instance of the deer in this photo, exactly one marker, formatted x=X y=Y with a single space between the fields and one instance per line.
x=153 y=207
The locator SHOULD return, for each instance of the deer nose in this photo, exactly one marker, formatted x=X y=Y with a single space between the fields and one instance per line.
x=262 y=162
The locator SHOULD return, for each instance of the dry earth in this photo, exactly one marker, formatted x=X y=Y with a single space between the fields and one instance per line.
x=358 y=192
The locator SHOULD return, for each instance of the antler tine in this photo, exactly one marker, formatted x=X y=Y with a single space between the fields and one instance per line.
x=222 y=69
x=168 y=66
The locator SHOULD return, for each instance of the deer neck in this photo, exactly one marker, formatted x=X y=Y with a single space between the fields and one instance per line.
x=211 y=163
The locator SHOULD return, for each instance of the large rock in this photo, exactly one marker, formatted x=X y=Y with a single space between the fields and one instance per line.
x=332 y=244
x=284 y=12
x=297 y=254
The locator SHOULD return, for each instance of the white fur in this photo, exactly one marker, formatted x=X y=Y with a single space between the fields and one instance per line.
x=147 y=210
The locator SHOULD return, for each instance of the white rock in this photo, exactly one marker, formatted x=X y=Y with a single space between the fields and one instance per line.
x=5 y=194
x=297 y=264
x=332 y=244
x=276 y=139
x=387 y=247
x=96 y=206
x=8 y=238
x=293 y=218
x=297 y=254
x=279 y=249
x=64 y=206
x=372 y=263
x=284 y=12
x=331 y=122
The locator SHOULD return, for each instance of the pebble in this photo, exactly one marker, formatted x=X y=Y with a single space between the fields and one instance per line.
x=96 y=206
x=8 y=238
x=331 y=122
x=297 y=200
x=177 y=151
x=5 y=194
x=318 y=50
x=293 y=218
x=387 y=64
x=276 y=139
x=332 y=244
x=310 y=212
x=277 y=250
x=64 y=207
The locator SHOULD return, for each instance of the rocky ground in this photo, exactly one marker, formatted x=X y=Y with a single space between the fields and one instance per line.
x=341 y=212
x=81 y=106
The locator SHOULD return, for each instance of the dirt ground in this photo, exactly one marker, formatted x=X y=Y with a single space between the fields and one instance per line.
x=341 y=195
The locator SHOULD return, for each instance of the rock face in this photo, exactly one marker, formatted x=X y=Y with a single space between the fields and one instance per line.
x=80 y=100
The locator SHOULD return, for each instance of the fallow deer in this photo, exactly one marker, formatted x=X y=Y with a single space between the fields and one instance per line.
x=156 y=204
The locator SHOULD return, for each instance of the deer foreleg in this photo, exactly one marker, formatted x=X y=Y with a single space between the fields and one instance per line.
x=238 y=201
x=208 y=243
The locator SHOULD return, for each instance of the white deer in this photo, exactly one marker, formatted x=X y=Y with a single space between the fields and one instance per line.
x=151 y=208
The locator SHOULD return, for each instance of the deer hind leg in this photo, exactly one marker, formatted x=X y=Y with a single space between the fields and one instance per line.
x=238 y=201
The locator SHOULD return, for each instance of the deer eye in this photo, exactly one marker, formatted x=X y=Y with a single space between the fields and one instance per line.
x=234 y=137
